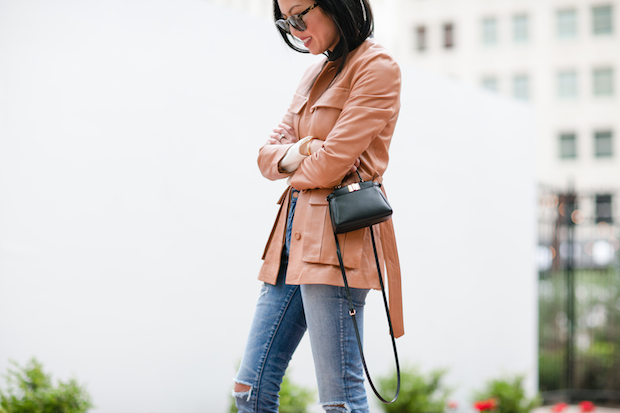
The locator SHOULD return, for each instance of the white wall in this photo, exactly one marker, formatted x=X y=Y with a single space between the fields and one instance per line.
x=466 y=230
x=130 y=243
x=541 y=58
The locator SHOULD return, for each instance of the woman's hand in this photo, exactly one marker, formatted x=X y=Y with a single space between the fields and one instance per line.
x=282 y=135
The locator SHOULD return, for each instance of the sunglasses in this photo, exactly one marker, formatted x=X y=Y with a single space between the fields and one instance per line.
x=296 y=21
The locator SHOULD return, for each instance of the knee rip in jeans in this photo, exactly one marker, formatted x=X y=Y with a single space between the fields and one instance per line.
x=336 y=407
x=242 y=390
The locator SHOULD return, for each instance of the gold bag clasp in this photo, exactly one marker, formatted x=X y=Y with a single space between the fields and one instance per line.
x=354 y=187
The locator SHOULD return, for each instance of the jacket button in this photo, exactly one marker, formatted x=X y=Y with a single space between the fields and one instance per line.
x=297 y=235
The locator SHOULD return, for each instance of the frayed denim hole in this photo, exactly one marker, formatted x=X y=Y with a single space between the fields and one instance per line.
x=264 y=290
x=243 y=394
x=340 y=407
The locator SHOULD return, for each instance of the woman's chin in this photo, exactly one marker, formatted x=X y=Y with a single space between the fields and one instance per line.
x=315 y=51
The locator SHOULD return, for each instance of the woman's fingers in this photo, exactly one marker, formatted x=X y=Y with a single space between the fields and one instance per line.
x=284 y=133
x=274 y=139
x=289 y=131
x=277 y=138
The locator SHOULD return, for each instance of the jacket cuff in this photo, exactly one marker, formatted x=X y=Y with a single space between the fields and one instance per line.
x=291 y=159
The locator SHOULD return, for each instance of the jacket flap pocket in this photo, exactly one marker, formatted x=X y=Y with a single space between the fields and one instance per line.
x=334 y=97
x=319 y=196
x=298 y=103
x=319 y=246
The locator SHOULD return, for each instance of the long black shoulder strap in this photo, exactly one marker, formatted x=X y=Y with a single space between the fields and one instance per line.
x=387 y=311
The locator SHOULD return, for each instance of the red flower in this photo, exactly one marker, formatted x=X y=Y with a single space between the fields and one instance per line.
x=485 y=405
x=587 y=406
x=453 y=405
x=559 y=407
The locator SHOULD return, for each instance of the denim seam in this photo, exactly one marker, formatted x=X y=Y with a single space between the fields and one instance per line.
x=271 y=338
x=346 y=350
x=344 y=347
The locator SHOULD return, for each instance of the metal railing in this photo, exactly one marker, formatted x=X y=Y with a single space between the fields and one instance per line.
x=579 y=295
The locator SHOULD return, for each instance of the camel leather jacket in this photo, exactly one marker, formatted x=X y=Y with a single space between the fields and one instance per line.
x=354 y=115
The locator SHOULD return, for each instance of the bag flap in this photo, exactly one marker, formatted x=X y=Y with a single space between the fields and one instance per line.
x=355 y=186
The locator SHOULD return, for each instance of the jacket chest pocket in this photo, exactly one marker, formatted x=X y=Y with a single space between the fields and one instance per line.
x=325 y=111
x=319 y=246
x=298 y=103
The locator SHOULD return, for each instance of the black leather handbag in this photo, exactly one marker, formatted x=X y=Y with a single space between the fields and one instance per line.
x=353 y=207
x=358 y=205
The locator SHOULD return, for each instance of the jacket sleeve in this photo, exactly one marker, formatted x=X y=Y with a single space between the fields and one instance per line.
x=372 y=102
x=269 y=157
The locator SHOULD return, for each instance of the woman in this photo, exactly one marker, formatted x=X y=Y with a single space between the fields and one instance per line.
x=340 y=121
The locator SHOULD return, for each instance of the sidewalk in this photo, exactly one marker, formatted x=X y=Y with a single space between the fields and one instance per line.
x=573 y=408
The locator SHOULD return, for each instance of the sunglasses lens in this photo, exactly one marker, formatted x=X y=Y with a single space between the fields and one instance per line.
x=297 y=23
x=283 y=25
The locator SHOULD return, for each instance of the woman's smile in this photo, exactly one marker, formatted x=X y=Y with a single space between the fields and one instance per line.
x=320 y=34
x=306 y=40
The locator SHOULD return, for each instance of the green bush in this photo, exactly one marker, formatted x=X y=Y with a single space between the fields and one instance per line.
x=419 y=393
x=30 y=390
x=509 y=396
x=293 y=398
x=596 y=366
x=551 y=370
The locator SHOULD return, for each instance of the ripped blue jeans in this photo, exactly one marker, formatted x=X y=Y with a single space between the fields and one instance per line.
x=282 y=316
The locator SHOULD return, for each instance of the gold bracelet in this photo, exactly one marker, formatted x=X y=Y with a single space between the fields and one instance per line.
x=305 y=141
x=309 y=142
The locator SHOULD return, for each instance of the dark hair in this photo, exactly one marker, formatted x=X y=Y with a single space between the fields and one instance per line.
x=354 y=23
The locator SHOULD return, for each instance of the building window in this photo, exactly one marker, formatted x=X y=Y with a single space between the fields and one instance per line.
x=489 y=31
x=602 y=20
x=490 y=83
x=567 y=84
x=567 y=23
x=604 y=209
x=603 y=144
x=520 y=25
x=448 y=35
x=568 y=145
x=603 y=81
x=521 y=87
x=420 y=36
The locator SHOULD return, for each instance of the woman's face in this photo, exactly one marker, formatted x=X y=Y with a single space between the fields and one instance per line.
x=321 y=33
